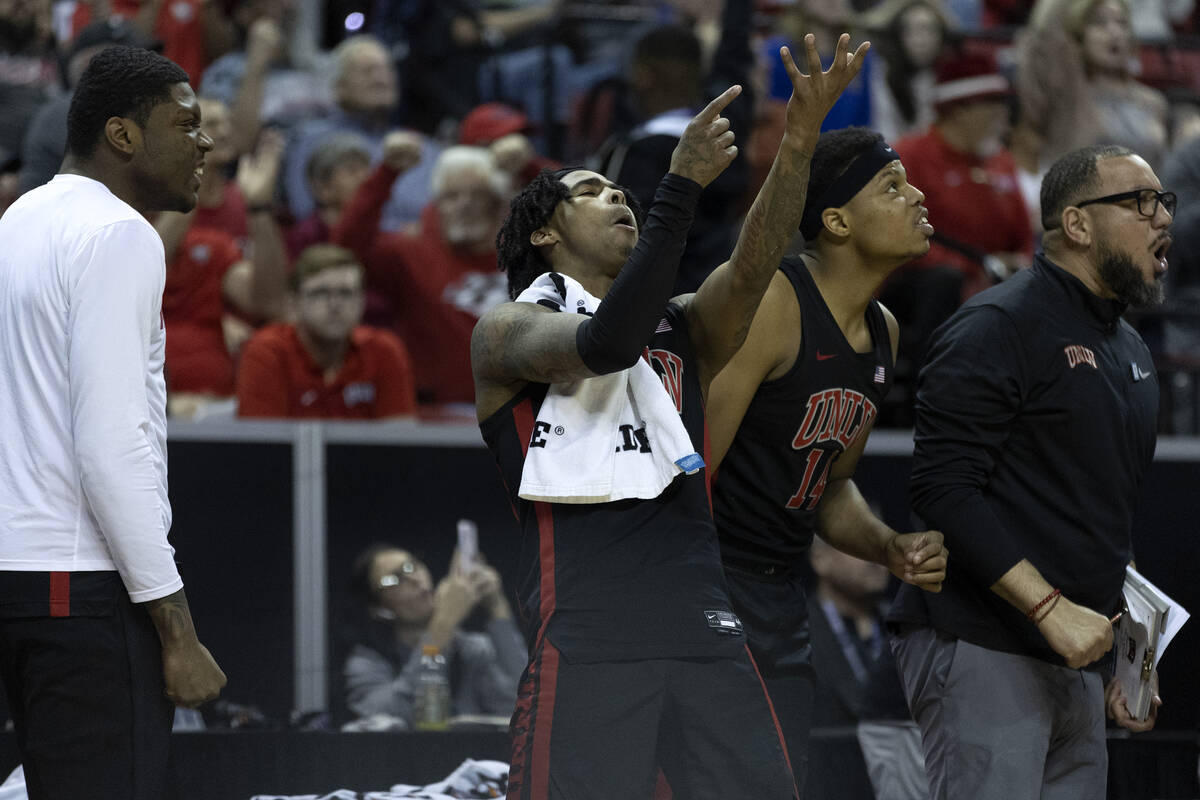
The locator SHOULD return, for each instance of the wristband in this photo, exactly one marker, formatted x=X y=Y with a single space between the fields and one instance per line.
x=1043 y=602
x=1047 y=610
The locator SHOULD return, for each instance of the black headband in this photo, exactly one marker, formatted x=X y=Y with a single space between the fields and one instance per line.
x=860 y=172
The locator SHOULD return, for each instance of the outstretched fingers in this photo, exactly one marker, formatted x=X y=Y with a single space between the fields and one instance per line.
x=847 y=65
x=844 y=67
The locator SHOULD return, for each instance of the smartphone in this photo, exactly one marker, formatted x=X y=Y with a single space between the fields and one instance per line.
x=468 y=546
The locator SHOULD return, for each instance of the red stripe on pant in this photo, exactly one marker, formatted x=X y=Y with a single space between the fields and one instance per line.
x=533 y=782
x=774 y=720
x=60 y=594
x=543 y=725
x=530 y=775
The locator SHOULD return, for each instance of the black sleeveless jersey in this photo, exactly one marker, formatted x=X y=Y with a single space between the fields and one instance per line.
x=630 y=579
x=766 y=492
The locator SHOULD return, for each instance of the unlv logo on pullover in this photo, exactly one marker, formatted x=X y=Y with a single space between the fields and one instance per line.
x=767 y=489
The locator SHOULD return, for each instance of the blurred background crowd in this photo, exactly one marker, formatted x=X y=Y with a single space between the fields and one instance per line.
x=366 y=150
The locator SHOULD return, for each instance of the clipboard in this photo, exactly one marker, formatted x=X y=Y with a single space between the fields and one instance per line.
x=1149 y=623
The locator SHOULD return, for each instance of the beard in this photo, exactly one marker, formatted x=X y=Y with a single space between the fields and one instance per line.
x=1124 y=279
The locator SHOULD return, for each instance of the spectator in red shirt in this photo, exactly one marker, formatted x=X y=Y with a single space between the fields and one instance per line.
x=335 y=170
x=968 y=177
x=975 y=204
x=325 y=365
x=196 y=306
x=222 y=203
x=193 y=32
x=440 y=279
x=215 y=291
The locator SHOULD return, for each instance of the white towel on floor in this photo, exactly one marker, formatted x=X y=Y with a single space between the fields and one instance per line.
x=611 y=437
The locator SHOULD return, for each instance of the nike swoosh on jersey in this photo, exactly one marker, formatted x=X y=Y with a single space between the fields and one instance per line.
x=825 y=356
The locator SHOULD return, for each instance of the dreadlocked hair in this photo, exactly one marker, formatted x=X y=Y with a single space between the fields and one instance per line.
x=529 y=210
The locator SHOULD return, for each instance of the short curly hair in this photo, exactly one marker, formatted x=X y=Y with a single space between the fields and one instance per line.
x=530 y=210
x=120 y=81
x=833 y=155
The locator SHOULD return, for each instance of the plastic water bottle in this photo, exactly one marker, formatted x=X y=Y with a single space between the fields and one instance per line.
x=433 y=691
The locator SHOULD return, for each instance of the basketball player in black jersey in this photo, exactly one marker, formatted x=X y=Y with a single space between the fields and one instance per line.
x=636 y=661
x=791 y=412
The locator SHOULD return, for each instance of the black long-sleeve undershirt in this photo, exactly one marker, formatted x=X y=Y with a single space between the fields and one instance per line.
x=613 y=339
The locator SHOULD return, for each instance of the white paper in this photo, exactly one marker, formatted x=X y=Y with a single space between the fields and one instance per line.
x=1150 y=621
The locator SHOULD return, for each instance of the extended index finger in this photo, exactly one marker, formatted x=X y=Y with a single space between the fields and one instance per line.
x=714 y=108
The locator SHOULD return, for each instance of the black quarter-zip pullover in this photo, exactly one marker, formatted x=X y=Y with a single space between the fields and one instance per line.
x=1036 y=416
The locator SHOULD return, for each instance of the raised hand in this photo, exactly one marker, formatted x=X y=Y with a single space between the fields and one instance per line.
x=258 y=172
x=402 y=150
x=264 y=42
x=815 y=93
x=512 y=152
x=455 y=596
x=918 y=558
x=1076 y=633
x=706 y=147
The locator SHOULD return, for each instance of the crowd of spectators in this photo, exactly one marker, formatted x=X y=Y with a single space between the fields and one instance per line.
x=406 y=134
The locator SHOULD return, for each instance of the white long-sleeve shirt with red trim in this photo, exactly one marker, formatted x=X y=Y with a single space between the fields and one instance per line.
x=83 y=458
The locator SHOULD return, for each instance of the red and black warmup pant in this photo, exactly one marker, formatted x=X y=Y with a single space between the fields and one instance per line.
x=773 y=611
x=603 y=730
x=82 y=670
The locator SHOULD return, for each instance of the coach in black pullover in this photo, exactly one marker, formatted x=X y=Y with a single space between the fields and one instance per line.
x=1035 y=423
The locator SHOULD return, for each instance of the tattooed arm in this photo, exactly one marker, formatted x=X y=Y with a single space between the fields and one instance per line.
x=720 y=312
x=190 y=674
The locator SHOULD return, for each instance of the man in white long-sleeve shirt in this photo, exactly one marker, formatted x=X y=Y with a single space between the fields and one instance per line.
x=96 y=639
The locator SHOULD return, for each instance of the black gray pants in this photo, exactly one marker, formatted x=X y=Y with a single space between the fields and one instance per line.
x=999 y=726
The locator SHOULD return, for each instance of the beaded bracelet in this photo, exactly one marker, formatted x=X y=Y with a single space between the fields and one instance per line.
x=1043 y=602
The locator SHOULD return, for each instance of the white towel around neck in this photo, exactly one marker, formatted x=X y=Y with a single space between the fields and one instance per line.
x=591 y=437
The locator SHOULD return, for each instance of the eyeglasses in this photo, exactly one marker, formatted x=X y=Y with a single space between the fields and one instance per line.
x=325 y=294
x=1148 y=201
x=403 y=575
